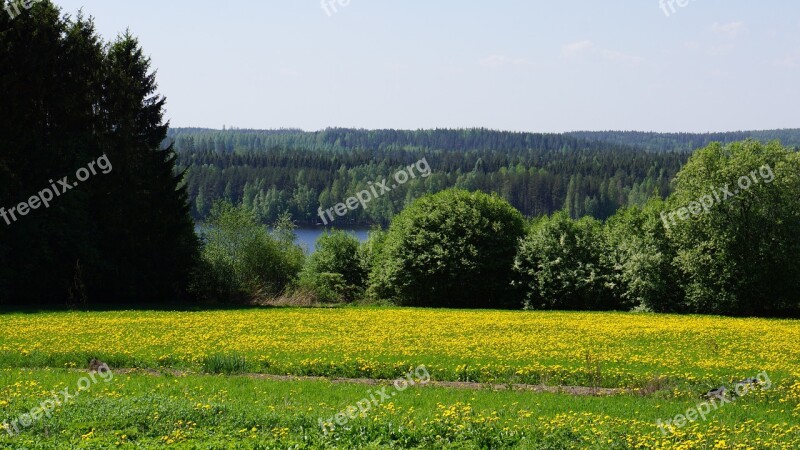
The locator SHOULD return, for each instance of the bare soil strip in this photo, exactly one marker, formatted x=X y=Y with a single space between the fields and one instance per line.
x=570 y=390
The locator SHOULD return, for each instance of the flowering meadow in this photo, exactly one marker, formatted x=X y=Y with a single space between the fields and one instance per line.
x=243 y=379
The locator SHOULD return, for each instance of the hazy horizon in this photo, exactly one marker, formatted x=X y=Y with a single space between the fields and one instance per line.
x=233 y=127
x=546 y=67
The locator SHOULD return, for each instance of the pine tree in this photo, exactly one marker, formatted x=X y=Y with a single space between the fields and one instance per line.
x=65 y=100
x=148 y=229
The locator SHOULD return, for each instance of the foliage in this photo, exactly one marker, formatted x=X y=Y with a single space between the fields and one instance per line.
x=643 y=256
x=334 y=271
x=671 y=142
x=452 y=249
x=241 y=259
x=66 y=98
x=279 y=170
x=739 y=256
x=561 y=264
x=292 y=257
x=370 y=250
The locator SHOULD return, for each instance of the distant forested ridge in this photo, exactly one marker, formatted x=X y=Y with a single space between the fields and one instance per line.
x=585 y=173
x=669 y=142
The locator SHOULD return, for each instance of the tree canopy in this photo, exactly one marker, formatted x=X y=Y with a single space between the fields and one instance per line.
x=68 y=100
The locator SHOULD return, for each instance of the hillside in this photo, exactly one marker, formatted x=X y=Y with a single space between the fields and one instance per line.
x=272 y=171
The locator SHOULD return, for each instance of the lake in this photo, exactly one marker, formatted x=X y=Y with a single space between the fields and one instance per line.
x=307 y=236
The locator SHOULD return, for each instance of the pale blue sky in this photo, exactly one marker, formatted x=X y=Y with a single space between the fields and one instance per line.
x=528 y=65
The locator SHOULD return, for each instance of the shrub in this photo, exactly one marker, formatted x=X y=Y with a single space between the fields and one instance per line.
x=334 y=271
x=370 y=250
x=738 y=241
x=643 y=259
x=560 y=264
x=241 y=260
x=452 y=249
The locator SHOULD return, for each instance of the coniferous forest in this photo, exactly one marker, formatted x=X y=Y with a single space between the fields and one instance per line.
x=594 y=174
x=70 y=102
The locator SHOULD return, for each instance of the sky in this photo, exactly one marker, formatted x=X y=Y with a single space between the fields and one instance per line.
x=520 y=65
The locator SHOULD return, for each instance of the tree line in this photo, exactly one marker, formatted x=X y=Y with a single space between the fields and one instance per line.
x=695 y=252
x=272 y=172
x=70 y=102
x=585 y=173
x=687 y=142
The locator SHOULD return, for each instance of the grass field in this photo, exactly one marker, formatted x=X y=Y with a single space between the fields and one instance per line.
x=194 y=385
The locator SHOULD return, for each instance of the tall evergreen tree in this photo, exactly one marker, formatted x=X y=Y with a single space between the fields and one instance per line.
x=66 y=99
x=148 y=231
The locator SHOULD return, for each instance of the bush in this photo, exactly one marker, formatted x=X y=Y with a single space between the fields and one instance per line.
x=643 y=259
x=370 y=250
x=241 y=260
x=334 y=271
x=738 y=241
x=452 y=249
x=561 y=265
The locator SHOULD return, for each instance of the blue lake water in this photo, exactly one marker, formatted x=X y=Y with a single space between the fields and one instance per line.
x=307 y=237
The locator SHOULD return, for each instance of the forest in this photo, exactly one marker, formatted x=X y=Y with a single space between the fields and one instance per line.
x=604 y=290
x=587 y=174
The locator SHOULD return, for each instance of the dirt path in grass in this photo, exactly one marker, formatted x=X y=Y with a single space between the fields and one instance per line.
x=571 y=390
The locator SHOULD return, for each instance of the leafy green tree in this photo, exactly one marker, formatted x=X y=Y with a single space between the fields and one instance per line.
x=241 y=259
x=734 y=219
x=643 y=259
x=334 y=271
x=451 y=249
x=292 y=257
x=370 y=250
x=561 y=265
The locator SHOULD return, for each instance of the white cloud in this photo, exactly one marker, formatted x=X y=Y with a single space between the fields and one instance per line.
x=576 y=48
x=731 y=29
x=622 y=58
x=691 y=45
x=582 y=48
x=789 y=61
x=502 y=60
x=720 y=50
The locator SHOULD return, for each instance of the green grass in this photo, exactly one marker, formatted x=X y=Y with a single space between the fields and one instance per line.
x=225 y=363
x=190 y=392
x=204 y=411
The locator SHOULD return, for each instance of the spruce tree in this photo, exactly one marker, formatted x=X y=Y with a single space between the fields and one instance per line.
x=67 y=99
